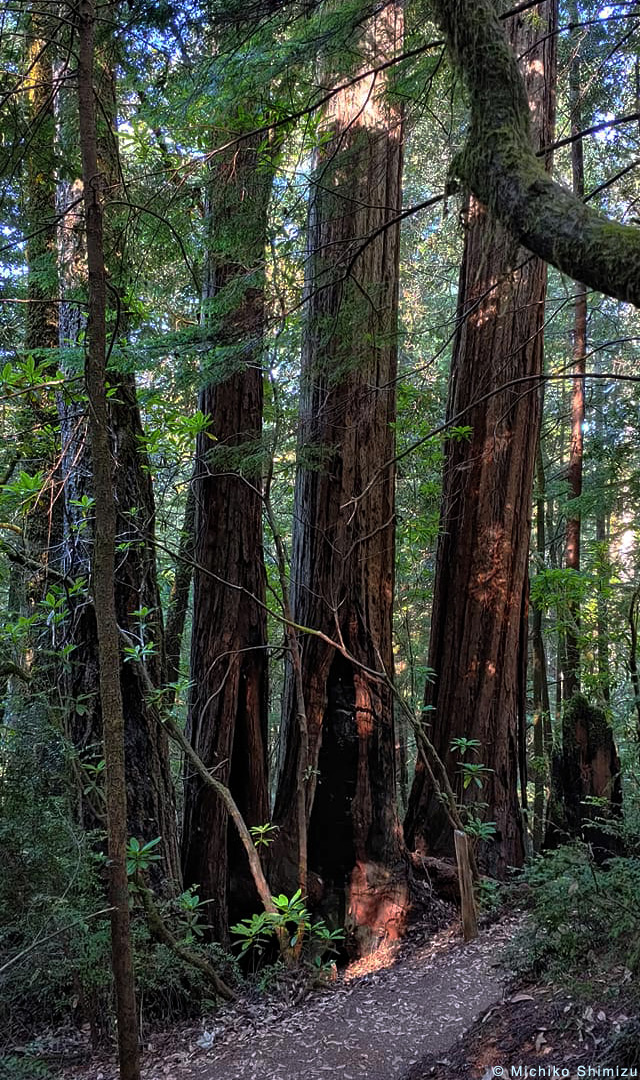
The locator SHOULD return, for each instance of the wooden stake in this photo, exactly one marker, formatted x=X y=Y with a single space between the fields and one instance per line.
x=469 y=913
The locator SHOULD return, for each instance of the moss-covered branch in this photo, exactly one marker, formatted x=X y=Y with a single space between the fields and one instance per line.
x=499 y=166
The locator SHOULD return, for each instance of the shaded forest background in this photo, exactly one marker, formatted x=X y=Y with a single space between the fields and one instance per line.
x=371 y=469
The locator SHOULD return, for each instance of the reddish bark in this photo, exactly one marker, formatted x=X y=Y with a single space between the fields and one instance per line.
x=478 y=630
x=227 y=722
x=343 y=543
x=571 y=679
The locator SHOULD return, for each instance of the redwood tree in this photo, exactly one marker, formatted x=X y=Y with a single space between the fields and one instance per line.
x=227 y=722
x=571 y=673
x=151 y=799
x=478 y=638
x=342 y=573
x=586 y=764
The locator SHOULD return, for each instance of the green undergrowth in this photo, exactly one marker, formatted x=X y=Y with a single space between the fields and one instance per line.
x=55 y=966
x=583 y=930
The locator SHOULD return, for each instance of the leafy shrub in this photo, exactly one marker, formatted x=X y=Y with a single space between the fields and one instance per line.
x=308 y=942
x=23 y=1068
x=170 y=989
x=584 y=917
x=54 y=929
x=52 y=945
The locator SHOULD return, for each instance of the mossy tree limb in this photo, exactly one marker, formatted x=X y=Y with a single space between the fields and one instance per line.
x=498 y=163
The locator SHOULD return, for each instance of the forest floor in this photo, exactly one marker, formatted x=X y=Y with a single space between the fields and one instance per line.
x=429 y=1007
x=541 y=1031
x=381 y=1017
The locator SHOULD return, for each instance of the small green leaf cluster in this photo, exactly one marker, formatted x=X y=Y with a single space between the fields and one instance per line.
x=140 y=856
x=263 y=835
x=292 y=919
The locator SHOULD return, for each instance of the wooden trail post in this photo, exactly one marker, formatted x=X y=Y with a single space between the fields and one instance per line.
x=467 y=899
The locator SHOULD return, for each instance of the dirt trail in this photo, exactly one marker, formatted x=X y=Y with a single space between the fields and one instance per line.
x=373 y=1026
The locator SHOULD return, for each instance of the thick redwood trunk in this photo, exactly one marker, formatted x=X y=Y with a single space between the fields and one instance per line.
x=478 y=630
x=571 y=680
x=343 y=542
x=227 y=722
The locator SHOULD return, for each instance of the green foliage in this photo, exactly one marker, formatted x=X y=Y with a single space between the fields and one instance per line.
x=489 y=895
x=462 y=745
x=23 y=1068
x=263 y=835
x=140 y=856
x=172 y=989
x=478 y=829
x=306 y=939
x=584 y=918
x=473 y=772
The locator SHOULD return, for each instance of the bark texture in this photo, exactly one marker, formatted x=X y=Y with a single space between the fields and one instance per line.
x=343 y=542
x=227 y=723
x=103 y=569
x=478 y=630
x=498 y=163
x=151 y=798
x=41 y=332
x=540 y=685
x=571 y=674
x=36 y=417
x=586 y=785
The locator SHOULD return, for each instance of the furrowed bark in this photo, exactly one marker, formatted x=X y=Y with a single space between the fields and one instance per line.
x=342 y=559
x=571 y=681
x=227 y=722
x=478 y=638
x=150 y=794
x=540 y=688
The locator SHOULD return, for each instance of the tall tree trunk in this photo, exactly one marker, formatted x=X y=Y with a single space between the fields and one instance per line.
x=343 y=540
x=571 y=680
x=104 y=566
x=227 y=722
x=478 y=628
x=586 y=766
x=603 y=564
x=41 y=331
x=541 y=703
x=151 y=799
x=36 y=415
x=179 y=596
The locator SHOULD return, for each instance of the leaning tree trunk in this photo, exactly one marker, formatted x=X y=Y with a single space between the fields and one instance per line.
x=498 y=162
x=343 y=540
x=227 y=722
x=479 y=630
x=151 y=799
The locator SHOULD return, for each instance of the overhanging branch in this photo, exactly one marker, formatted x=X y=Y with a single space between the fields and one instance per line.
x=499 y=166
